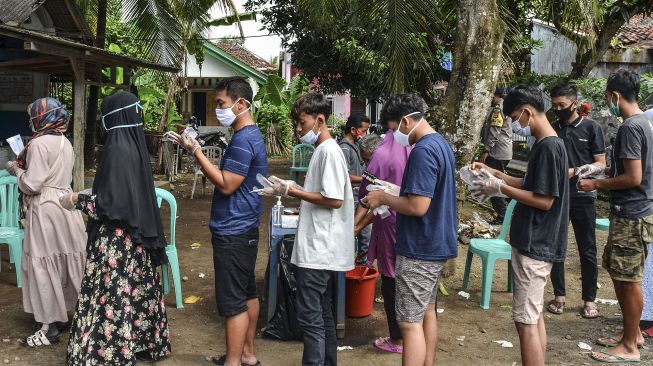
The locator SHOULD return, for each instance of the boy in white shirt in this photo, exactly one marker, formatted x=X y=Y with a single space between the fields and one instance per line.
x=324 y=244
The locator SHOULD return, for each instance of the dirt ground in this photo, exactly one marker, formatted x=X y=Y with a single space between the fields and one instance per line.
x=198 y=331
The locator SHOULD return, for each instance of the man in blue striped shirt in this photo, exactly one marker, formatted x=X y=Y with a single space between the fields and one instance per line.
x=235 y=217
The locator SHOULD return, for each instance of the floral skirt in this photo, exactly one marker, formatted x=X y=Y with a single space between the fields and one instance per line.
x=121 y=309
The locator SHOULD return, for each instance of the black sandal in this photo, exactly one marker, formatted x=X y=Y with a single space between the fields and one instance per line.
x=220 y=361
x=61 y=327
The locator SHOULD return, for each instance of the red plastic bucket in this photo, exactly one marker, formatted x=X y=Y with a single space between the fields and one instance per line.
x=359 y=296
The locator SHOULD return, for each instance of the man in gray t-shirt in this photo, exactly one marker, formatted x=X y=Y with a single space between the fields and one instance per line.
x=355 y=129
x=634 y=141
x=631 y=222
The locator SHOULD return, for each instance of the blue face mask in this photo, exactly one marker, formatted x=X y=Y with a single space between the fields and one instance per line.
x=136 y=105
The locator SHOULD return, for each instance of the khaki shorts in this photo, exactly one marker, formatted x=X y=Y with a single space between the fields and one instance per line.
x=528 y=281
x=625 y=253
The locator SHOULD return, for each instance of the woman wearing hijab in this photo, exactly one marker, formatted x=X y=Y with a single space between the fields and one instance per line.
x=121 y=312
x=53 y=250
x=387 y=163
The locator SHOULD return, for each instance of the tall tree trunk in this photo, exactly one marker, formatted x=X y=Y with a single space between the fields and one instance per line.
x=476 y=64
x=477 y=54
x=94 y=91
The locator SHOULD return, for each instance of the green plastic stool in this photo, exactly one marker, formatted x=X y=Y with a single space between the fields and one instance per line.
x=491 y=250
x=171 y=249
x=10 y=231
x=603 y=224
x=301 y=156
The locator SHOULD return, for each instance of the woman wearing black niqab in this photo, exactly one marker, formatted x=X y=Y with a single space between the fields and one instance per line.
x=121 y=314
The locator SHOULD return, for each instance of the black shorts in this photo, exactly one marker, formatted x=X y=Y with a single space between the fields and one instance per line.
x=234 y=260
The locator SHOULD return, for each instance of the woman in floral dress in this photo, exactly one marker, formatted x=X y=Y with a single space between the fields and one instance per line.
x=120 y=316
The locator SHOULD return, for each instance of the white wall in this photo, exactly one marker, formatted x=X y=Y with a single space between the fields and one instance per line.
x=211 y=68
x=556 y=54
x=341 y=104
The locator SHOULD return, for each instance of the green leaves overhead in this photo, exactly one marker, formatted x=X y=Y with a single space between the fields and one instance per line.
x=274 y=90
x=397 y=37
x=163 y=27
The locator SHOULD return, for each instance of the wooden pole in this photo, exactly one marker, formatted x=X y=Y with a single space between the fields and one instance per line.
x=79 y=125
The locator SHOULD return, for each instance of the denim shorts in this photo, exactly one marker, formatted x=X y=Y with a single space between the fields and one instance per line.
x=234 y=261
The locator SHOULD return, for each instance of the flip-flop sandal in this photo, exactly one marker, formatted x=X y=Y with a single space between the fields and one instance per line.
x=385 y=344
x=39 y=339
x=612 y=342
x=555 y=307
x=617 y=358
x=648 y=333
x=586 y=311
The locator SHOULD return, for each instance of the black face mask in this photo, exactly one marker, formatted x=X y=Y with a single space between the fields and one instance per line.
x=564 y=114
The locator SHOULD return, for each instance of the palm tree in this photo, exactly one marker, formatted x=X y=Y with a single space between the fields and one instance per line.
x=165 y=28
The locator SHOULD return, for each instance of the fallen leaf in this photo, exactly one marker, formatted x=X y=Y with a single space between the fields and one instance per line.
x=192 y=299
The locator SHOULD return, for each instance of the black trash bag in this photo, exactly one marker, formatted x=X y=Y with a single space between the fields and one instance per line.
x=283 y=325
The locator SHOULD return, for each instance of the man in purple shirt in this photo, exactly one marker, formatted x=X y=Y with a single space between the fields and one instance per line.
x=387 y=163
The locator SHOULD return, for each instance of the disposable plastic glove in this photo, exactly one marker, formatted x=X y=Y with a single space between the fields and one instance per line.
x=490 y=187
x=589 y=170
x=188 y=143
x=389 y=188
x=280 y=186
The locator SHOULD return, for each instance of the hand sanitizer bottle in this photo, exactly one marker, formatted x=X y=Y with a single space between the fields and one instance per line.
x=277 y=211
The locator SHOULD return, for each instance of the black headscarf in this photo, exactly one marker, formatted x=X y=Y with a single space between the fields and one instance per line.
x=124 y=185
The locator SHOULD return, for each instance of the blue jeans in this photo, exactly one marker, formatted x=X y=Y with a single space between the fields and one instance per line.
x=315 y=289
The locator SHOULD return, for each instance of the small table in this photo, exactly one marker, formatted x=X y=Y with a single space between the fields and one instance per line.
x=275 y=238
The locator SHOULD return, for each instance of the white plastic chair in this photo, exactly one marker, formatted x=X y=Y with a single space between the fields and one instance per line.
x=214 y=154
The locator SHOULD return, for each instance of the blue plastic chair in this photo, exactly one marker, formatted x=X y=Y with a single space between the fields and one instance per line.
x=603 y=224
x=171 y=249
x=491 y=250
x=301 y=156
x=10 y=231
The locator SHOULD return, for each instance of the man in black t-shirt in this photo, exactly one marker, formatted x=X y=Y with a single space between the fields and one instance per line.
x=585 y=151
x=538 y=231
x=631 y=221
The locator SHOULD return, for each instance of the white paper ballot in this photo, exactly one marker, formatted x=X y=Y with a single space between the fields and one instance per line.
x=16 y=144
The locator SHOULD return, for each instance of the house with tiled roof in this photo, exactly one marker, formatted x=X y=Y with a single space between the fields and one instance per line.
x=637 y=33
x=221 y=60
x=632 y=48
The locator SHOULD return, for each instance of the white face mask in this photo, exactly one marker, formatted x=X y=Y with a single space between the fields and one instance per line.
x=311 y=137
x=226 y=116
x=528 y=124
x=402 y=138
